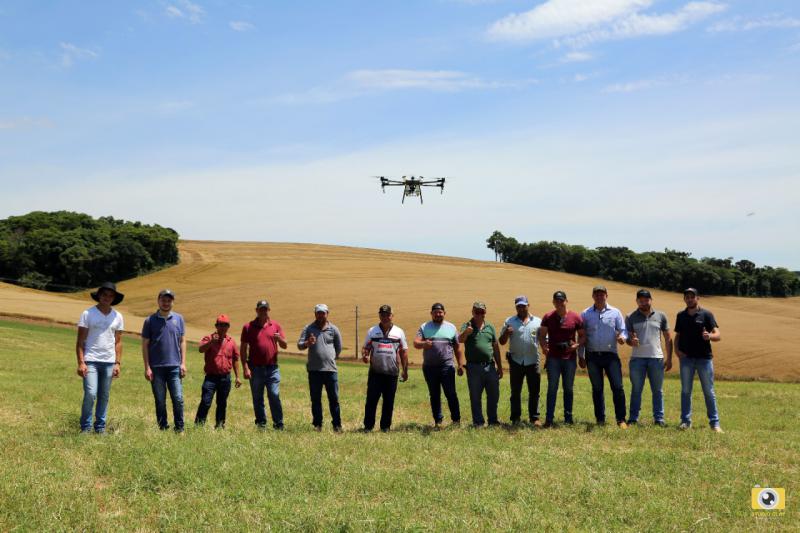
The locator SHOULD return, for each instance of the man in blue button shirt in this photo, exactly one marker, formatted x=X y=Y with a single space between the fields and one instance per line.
x=164 y=354
x=523 y=359
x=605 y=328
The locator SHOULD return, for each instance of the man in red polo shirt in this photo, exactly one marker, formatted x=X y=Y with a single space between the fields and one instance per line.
x=260 y=340
x=221 y=354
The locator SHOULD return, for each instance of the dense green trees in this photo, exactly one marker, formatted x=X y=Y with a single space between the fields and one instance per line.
x=670 y=270
x=65 y=251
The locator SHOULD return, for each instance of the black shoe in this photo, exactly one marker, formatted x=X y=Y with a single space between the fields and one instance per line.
x=633 y=422
x=384 y=430
x=278 y=427
x=219 y=425
x=569 y=422
x=337 y=429
x=548 y=424
x=660 y=423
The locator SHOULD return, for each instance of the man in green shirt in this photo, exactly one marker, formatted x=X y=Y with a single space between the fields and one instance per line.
x=484 y=369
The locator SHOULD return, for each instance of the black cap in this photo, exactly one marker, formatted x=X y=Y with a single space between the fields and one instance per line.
x=385 y=309
x=167 y=292
x=692 y=290
x=559 y=295
x=118 y=296
x=262 y=303
x=436 y=306
x=643 y=293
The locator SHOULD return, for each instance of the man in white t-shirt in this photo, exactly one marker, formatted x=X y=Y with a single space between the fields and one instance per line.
x=99 y=351
x=386 y=351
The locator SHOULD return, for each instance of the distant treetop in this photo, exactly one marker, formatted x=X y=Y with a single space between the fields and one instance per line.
x=65 y=251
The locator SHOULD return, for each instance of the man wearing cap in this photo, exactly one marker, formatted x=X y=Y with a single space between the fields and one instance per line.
x=441 y=352
x=695 y=330
x=221 y=354
x=646 y=326
x=605 y=329
x=522 y=330
x=99 y=352
x=386 y=350
x=484 y=368
x=324 y=344
x=164 y=355
x=260 y=340
x=560 y=336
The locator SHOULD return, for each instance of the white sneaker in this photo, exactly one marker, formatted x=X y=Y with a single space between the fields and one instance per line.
x=684 y=425
x=717 y=429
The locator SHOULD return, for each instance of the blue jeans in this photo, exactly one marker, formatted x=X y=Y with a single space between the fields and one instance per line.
x=442 y=378
x=653 y=369
x=380 y=385
x=168 y=377
x=482 y=377
x=565 y=369
x=517 y=376
x=221 y=384
x=330 y=380
x=269 y=377
x=705 y=370
x=96 y=386
x=608 y=362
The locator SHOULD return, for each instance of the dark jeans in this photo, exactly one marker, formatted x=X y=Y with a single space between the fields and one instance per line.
x=380 y=385
x=221 y=384
x=269 y=377
x=442 y=378
x=597 y=363
x=482 y=377
x=518 y=375
x=316 y=380
x=164 y=378
x=565 y=369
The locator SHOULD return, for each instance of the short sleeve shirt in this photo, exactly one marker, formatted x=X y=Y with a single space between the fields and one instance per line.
x=219 y=356
x=690 y=328
x=479 y=346
x=261 y=343
x=102 y=334
x=445 y=339
x=523 y=343
x=648 y=329
x=164 y=339
x=560 y=331
x=322 y=355
x=385 y=349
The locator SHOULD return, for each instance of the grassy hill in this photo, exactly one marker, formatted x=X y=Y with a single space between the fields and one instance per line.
x=216 y=277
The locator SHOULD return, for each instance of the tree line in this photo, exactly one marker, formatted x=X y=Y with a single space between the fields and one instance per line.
x=670 y=270
x=67 y=251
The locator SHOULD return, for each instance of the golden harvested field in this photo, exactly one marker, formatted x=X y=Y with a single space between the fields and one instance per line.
x=216 y=277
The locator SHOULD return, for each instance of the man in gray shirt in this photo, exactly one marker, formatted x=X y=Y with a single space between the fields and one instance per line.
x=645 y=328
x=324 y=343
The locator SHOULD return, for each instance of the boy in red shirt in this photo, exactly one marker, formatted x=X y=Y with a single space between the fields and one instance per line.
x=221 y=355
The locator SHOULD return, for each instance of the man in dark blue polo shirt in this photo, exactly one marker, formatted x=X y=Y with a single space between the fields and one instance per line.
x=164 y=354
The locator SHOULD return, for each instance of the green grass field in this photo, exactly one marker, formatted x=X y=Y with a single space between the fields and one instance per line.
x=569 y=478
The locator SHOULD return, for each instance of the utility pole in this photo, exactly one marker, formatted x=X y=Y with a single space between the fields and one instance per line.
x=357 y=344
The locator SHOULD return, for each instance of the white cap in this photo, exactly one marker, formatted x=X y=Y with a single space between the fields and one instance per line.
x=320 y=307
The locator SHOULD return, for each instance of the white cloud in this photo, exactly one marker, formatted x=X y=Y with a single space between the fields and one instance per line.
x=768 y=21
x=24 y=123
x=633 y=86
x=240 y=25
x=578 y=78
x=576 y=57
x=71 y=53
x=184 y=9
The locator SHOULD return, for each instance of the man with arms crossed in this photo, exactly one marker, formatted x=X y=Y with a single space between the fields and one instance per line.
x=522 y=331
x=164 y=355
x=386 y=351
x=99 y=351
x=645 y=328
x=695 y=330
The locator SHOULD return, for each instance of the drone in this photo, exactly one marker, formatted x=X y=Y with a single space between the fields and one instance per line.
x=412 y=186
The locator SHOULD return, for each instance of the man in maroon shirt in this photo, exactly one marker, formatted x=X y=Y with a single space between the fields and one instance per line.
x=260 y=340
x=560 y=336
x=221 y=354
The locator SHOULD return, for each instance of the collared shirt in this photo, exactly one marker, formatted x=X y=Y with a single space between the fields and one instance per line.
x=322 y=355
x=220 y=356
x=690 y=328
x=164 y=339
x=648 y=329
x=385 y=349
x=602 y=327
x=523 y=343
x=261 y=343
x=444 y=337
x=479 y=345
x=101 y=339
x=560 y=332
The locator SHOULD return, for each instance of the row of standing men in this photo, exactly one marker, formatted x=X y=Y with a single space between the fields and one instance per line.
x=565 y=338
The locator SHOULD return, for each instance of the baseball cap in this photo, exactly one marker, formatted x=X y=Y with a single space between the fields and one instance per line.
x=385 y=309
x=643 y=293
x=320 y=308
x=436 y=306
x=478 y=305
x=599 y=288
x=691 y=289
x=559 y=295
x=166 y=292
x=262 y=303
x=521 y=300
x=223 y=319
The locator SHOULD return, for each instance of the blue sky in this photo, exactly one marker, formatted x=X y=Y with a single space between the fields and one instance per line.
x=642 y=123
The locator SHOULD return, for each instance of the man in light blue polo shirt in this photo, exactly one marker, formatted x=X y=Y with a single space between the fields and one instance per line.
x=164 y=354
x=523 y=359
